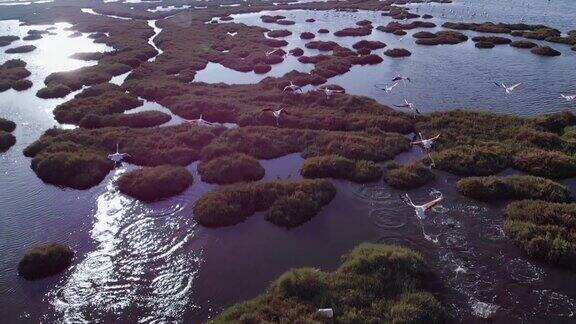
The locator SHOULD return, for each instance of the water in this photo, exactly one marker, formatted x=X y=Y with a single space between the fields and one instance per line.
x=443 y=77
x=151 y=263
x=554 y=13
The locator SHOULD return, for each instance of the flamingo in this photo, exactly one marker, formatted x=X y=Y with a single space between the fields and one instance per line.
x=401 y=78
x=508 y=89
x=201 y=122
x=387 y=88
x=276 y=113
x=292 y=87
x=427 y=145
x=421 y=209
x=117 y=157
x=410 y=106
x=330 y=92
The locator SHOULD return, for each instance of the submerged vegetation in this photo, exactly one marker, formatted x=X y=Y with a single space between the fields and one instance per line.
x=375 y=284
x=155 y=183
x=45 y=260
x=407 y=176
x=514 y=187
x=289 y=203
x=544 y=230
x=338 y=167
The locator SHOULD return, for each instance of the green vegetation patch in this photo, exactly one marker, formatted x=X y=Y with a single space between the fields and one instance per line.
x=100 y=100
x=78 y=158
x=376 y=283
x=549 y=164
x=469 y=160
x=155 y=183
x=45 y=260
x=408 y=176
x=513 y=187
x=289 y=203
x=7 y=140
x=12 y=73
x=231 y=168
x=546 y=231
x=272 y=142
x=338 y=167
x=7 y=125
x=480 y=143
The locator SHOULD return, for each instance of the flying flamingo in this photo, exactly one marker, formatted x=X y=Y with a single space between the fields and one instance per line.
x=117 y=157
x=276 y=113
x=292 y=87
x=508 y=89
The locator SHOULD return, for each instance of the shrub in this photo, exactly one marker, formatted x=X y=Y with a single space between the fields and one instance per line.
x=441 y=37
x=77 y=170
x=20 y=49
x=7 y=40
x=546 y=231
x=334 y=166
x=557 y=122
x=45 y=260
x=232 y=204
x=513 y=187
x=99 y=100
x=469 y=160
x=272 y=142
x=492 y=39
x=545 y=51
x=484 y=45
x=78 y=158
x=354 y=31
x=408 y=176
x=134 y=120
x=548 y=164
x=13 y=74
x=372 y=45
x=279 y=33
x=293 y=210
x=375 y=284
x=7 y=125
x=397 y=52
x=307 y=35
x=231 y=168
x=53 y=91
x=155 y=183
x=523 y=44
x=7 y=140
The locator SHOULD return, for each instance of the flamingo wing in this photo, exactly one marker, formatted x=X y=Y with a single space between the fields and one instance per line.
x=432 y=203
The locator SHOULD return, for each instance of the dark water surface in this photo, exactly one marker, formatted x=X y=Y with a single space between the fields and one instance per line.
x=151 y=263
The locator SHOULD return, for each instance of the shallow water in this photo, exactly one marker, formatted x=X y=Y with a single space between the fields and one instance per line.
x=443 y=77
x=151 y=263
x=554 y=13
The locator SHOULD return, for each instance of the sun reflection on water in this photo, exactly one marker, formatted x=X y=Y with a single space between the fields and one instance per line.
x=140 y=261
